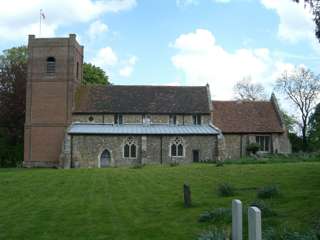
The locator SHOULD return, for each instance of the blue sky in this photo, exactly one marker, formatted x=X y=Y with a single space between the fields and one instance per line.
x=175 y=42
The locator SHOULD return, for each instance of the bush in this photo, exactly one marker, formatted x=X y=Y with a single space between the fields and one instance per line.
x=137 y=166
x=214 y=234
x=205 y=217
x=317 y=228
x=271 y=234
x=10 y=155
x=253 y=148
x=222 y=215
x=219 y=164
x=174 y=164
x=265 y=208
x=290 y=235
x=226 y=190
x=268 y=192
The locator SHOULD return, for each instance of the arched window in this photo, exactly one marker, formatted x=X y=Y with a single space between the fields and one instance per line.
x=77 y=73
x=133 y=151
x=130 y=148
x=126 y=151
x=173 y=150
x=180 y=150
x=177 y=148
x=51 y=65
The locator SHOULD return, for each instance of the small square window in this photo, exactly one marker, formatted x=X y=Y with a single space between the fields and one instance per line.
x=196 y=119
x=173 y=119
x=118 y=119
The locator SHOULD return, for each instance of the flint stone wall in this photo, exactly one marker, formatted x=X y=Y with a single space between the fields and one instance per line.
x=87 y=149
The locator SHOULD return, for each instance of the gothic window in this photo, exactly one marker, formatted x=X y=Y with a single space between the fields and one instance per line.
x=180 y=150
x=133 y=151
x=177 y=147
x=126 y=150
x=173 y=150
x=77 y=73
x=130 y=148
x=51 y=65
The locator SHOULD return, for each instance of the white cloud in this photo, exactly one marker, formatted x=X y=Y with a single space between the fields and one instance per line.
x=22 y=16
x=295 y=21
x=203 y=61
x=108 y=60
x=96 y=28
x=128 y=66
x=105 y=58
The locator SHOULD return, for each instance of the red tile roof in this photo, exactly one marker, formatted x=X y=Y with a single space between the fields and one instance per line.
x=246 y=117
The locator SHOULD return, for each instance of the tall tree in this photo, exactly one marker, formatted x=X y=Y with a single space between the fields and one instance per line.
x=247 y=90
x=315 y=6
x=302 y=87
x=13 y=74
x=314 y=128
x=94 y=75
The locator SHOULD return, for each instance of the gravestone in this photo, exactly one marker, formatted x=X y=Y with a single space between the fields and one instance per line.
x=236 y=219
x=254 y=222
x=186 y=196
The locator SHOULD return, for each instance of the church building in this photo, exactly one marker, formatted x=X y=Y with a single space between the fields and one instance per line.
x=70 y=125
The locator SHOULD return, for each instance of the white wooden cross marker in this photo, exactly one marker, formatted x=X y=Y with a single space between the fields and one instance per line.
x=236 y=219
x=254 y=222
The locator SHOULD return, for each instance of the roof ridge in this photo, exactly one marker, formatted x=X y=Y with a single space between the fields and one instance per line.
x=128 y=85
x=242 y=101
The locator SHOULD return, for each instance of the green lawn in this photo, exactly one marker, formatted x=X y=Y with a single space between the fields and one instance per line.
x=125 y=203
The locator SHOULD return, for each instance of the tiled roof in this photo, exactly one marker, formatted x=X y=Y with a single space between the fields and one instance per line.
x=142 y=99
x=140 y=129
x=246 y=117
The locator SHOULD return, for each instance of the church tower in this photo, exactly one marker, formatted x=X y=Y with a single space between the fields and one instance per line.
x=54 y=72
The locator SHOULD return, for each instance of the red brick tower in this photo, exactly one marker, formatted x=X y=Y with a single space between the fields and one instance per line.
x=54 y=71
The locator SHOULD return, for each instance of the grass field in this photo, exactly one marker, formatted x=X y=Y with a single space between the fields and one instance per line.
x=125 y=203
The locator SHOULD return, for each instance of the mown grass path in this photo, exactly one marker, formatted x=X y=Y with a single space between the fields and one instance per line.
x=125 y=203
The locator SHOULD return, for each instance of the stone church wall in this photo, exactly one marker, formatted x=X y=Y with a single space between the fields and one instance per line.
x=86 y=149
x=235 y=144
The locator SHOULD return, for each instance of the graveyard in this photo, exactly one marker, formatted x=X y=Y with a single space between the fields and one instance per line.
x=147 y=202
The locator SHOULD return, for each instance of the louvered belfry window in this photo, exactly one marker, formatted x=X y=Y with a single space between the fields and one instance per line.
x=51 y=65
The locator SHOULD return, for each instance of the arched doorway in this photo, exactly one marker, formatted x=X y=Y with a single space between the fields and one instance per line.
x=105 y=159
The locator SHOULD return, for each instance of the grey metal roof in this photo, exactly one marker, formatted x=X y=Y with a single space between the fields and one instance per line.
x=139 y=129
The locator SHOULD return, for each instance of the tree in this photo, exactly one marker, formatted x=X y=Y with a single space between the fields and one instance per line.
x=289 y=121
x=302 y=87
x=246 y=90
x=314 y=128
x=13 y=74
x=315 y=6
x=94 y=75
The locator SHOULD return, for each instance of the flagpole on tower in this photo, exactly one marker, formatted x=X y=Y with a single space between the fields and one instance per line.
x=42 y=17
x=40 y=23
